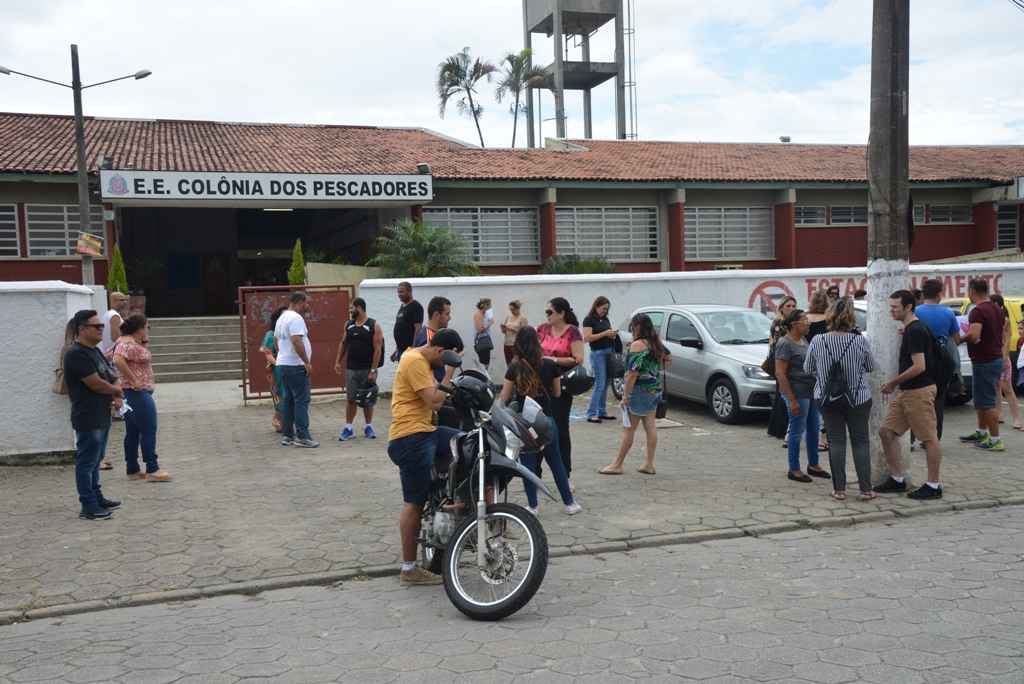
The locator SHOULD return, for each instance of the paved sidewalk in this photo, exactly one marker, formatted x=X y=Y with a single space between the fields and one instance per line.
x=936 y=599
x=242 y=509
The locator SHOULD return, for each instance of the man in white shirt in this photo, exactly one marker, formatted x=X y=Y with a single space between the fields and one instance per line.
x=113 y=319
x=293 y=362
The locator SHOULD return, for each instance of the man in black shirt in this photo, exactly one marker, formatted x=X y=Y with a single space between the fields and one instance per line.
x=408 y=320
x=362 y=347
x=92 y=387
x=913 y=406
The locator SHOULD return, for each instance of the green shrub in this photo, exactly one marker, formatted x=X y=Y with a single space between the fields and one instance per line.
x=297 y=271
x=564 y=264
x=117 y=278
x=411 y=249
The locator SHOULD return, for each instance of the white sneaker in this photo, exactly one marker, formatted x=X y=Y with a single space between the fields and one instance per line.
x=533 y=509
x=573 y=508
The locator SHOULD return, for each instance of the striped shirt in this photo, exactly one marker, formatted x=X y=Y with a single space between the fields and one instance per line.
x=857 y=362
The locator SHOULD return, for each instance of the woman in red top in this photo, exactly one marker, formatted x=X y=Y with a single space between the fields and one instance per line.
x=562 y=342
x=135 y=366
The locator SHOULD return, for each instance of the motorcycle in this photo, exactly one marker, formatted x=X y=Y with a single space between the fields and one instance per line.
x=492 y=554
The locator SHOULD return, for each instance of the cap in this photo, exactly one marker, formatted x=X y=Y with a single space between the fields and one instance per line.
x=446 y=338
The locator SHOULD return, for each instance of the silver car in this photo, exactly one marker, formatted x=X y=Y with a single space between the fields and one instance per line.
x=717 y=353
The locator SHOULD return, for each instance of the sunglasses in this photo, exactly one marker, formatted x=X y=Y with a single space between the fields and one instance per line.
x=548 y=312
x=98 y=326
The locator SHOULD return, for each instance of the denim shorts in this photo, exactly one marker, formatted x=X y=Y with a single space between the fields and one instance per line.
x=414 y=455
x=986 y=383
x=643 y=403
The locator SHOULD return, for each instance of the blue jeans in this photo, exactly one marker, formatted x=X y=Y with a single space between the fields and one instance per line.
x=295 y=403
x=806 y=425
x=90 y=445
x=599 y=366
x=415 y=455
x=553 y=456
x=140 y=428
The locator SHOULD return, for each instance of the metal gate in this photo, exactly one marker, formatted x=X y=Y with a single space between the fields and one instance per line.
x=329 y=309
x=1007 y=236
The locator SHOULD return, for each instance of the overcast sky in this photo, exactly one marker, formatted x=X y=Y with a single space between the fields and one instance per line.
x=730 y=70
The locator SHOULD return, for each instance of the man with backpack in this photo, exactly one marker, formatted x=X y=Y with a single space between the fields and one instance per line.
x=912 y=406
x=941 y=322
x=362 y=346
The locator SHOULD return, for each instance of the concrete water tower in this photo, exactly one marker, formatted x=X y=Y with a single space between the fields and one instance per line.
x=565 y=20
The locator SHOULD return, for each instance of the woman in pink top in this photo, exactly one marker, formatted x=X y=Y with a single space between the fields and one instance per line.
x=562 y=342
x=135 y=366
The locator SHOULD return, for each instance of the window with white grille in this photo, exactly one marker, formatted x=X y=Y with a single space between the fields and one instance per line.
x=612 y=233
x=53 y=228
x=850 y=216
x=1007 y=235
x=809 y=216
x=919 y=215
x=715 y=233
x=9 y=243
x=950 y=213
x=495 y=235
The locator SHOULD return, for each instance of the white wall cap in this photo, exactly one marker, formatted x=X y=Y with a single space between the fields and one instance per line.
x=43 y=286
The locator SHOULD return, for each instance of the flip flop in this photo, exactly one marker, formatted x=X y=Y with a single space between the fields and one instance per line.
x=867 y=496
x=106 y=466
x=605 y=471
x=1018 y=427
x=645 y=471
x=839 y=496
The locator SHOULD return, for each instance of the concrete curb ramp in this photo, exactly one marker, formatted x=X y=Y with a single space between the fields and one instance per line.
x=326 y=578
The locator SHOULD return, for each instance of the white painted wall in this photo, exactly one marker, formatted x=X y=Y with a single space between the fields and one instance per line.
x=34 y=420
x=630 y=291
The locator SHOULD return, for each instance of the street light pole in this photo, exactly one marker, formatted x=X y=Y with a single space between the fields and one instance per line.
x=88 y=269
x=88 y=272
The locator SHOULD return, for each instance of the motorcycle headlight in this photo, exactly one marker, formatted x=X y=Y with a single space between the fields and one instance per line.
x=512 y=444
x=756 y=373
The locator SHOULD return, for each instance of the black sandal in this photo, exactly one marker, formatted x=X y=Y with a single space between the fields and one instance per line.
x=799 y=478
x=818 y=472
x=594 y=420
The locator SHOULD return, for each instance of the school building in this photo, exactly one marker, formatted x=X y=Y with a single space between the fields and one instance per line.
x=201 y=207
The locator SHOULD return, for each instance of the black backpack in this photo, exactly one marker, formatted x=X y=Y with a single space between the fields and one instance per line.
x=945 y=364
x=837 y=389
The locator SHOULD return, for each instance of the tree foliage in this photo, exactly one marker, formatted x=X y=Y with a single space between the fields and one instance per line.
x=517 y=75
x=566 y=264
x=117 y=278
x=297 y=271
x=457 y=77
x=412 y=249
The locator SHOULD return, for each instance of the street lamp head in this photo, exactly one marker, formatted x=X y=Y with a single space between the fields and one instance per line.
x=142 y=74
x=5 y=71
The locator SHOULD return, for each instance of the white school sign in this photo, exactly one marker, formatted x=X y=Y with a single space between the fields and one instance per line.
x=148 y=186
x=760 y=290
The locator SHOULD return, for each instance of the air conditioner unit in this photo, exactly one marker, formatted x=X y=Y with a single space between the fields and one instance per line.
x=728 y=267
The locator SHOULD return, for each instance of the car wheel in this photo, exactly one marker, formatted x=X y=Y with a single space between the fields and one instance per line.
x=617 y=387
x=724 y=401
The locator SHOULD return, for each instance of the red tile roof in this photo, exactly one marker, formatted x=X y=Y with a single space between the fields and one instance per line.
x=35 y=143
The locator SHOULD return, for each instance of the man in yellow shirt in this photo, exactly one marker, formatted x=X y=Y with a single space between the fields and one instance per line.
x=414 y=440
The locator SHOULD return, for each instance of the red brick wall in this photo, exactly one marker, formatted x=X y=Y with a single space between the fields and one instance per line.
x=831 y=247
x=938 y=242
x=710 y=265
x=68 y=270
x=641 y=267
x=785 y=236
x=509 y=270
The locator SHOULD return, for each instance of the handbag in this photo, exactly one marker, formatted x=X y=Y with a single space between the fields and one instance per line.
x=483 y=342
x=768 y=365
x=616 y=366
x=662 y=409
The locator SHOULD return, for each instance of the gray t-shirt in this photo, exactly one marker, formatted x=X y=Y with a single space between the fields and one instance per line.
x=796 y=353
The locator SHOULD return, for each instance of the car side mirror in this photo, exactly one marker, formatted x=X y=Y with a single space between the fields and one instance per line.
x=451 y=358
x=692 y=343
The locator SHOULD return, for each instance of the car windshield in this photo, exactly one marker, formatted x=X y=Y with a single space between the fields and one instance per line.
x=737 y=327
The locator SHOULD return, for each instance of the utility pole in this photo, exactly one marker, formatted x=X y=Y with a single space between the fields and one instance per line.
x=88 y=272
x=889 y=192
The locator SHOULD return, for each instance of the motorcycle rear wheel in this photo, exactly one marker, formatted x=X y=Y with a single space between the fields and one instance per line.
x=475 y=592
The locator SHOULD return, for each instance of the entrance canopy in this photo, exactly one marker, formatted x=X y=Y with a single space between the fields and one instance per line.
x=269 y=190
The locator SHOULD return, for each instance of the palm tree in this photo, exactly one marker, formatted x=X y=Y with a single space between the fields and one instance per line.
x=458 y=76
x=517 y=75
x=412 y=249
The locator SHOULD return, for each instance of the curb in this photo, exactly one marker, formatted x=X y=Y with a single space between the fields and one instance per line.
x=252 y=587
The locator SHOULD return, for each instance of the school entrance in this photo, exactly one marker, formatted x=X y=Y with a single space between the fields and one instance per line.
x=190 y=240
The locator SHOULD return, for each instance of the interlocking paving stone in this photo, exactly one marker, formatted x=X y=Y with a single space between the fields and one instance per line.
x=378 y=631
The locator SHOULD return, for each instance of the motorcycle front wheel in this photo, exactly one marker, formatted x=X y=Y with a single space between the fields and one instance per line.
x=516 y=561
